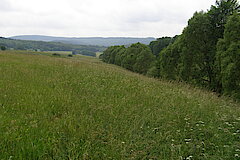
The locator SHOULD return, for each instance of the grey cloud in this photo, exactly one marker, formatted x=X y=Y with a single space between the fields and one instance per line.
x=5 y=6
x=97 y=18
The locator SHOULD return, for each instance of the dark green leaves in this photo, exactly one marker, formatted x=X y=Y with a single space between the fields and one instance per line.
x=229 y=57
x=138 y=57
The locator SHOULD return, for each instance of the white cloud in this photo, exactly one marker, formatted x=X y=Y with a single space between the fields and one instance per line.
x=153 y=18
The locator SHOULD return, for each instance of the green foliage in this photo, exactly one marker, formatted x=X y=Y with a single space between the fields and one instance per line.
x=193 y=56
x=229 y=57
x=119 y=55
x=84 y=52
x=219 y=14
x=160 y=44
x=3 y=48
x=110 y=53
x=144 y=61
x=169 y=60
x=46 y=46
x=199 y=54
x=153 y=71
x=56 y=54
x=138 y=57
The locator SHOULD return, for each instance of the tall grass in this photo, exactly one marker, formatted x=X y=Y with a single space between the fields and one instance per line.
x=81 y=108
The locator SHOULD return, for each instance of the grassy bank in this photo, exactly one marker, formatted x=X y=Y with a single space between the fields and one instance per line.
x=81 y=108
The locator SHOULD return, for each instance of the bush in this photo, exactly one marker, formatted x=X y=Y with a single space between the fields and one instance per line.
x=3 y=48
x=56 y=54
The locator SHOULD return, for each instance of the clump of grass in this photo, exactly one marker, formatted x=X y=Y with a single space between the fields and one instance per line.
x=81 y=108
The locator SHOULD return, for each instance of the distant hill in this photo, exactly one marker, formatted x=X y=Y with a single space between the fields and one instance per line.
x=47 y=46
x=100 y=41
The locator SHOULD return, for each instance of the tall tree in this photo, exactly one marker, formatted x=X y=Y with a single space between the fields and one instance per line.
x=198 y=57
x=219 y=13
x=228 y=57
x=161 y=43
x=110 y=53
x=138 y=58
x=119 y=56
x=144 y=60
x=169 y=60
x=218 y=16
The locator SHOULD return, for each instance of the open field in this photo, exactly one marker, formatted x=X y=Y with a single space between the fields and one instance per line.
x=81 y=108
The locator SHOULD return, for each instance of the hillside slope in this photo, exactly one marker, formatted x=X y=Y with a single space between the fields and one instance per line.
x=100 y=41
x=81 y=108
x=46 y=46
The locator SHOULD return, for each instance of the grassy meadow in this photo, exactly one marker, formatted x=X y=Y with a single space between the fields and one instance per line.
x=80 y=108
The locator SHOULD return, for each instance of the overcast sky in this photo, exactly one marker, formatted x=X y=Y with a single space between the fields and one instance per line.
x=94 y=18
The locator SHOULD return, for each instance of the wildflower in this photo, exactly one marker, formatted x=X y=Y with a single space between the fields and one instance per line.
x=189 y=158
x=227 y=123
x=187 y=140
x=156 y=129
x=201 y=122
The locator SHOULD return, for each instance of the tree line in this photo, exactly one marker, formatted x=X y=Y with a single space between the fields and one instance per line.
x=206 y=54
x=84 y=52
x=8 y=43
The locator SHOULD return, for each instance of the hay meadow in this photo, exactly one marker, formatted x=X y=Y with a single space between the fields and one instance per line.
x=81 y=108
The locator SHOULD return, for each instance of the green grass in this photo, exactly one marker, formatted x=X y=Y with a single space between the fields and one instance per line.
x=81 y=108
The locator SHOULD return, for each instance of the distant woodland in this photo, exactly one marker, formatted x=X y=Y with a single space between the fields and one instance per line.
x=206 y=54
x=98 y=41
x=6 y=43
